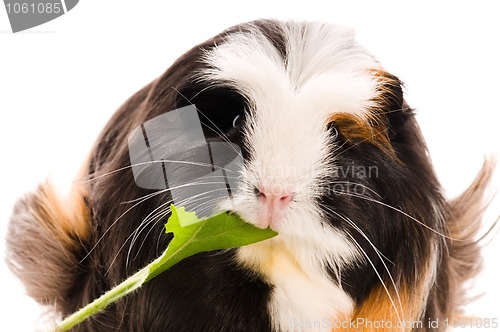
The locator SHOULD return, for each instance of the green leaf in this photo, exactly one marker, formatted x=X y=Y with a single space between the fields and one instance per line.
x=222 y=231
x=191 y=236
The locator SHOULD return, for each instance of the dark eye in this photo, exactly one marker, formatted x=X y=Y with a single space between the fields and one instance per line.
x=333 y=131
x=237 y=121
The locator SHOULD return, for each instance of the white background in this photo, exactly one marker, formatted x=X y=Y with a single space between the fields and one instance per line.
x=60 y=82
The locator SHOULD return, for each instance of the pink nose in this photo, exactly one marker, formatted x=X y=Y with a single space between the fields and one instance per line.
x=272 y=203
x=278 y=200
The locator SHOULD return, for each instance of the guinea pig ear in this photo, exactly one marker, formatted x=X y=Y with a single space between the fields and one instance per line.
x=389 y=92
x=391 y=109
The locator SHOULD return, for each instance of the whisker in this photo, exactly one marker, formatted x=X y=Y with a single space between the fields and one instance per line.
x=190 y=199
x=144 y=223
x=142 y=200
x=380 y=278
x=377 y=251
x=362 y=141
x=192 y=163
x=148 y=196
x=158 y=218
x=357 y=184
x=360 y=231
x=158 y=240
x=155 y=215
x=154 y=220
x=403 y=213
x=112 y=224
x=126 y=240
x=395 y=111
x=339 y=147
x=205 y=206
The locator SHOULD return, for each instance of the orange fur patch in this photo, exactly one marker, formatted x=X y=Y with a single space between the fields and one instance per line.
x=385 y=91
x=379 y=313
x=67 y=219
x=372 y=128
x=355 y=129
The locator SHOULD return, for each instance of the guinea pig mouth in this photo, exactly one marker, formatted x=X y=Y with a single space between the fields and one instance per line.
x=265 y=219
x=268 y=219
x=258 y=221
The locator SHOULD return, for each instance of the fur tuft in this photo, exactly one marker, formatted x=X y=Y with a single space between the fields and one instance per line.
x=464 y=226
x=45 y=243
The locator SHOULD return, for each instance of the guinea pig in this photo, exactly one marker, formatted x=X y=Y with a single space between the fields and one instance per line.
x=329 y=155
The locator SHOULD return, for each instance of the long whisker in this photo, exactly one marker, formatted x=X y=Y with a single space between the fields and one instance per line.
x=162 y=214
x=377 y=251
x=403 y=213
x=146 y=197
x=357 y=143
x=114 y=222
x=154 y=215
x=206 y=205
x=127 y=239
x=142 y=200
x=357 y=184
x=339 y=147
x=188 y=200
x=379 y=277
x=360 y=231
x=192 y=163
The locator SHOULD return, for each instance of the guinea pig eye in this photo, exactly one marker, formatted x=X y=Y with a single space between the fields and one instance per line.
x=333 y=131
x=237 y=121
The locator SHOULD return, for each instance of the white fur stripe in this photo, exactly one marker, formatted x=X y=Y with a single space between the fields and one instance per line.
x=325 y=72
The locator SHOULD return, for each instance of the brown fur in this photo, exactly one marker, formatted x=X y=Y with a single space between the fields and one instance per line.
x=462 y=259
x=461 y=262
x=45 y=242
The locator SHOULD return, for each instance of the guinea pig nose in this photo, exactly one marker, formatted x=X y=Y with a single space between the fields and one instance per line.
x=274 y=199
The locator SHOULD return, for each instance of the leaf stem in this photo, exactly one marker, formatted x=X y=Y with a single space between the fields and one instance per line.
x=218 y=232
x=126 y=287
